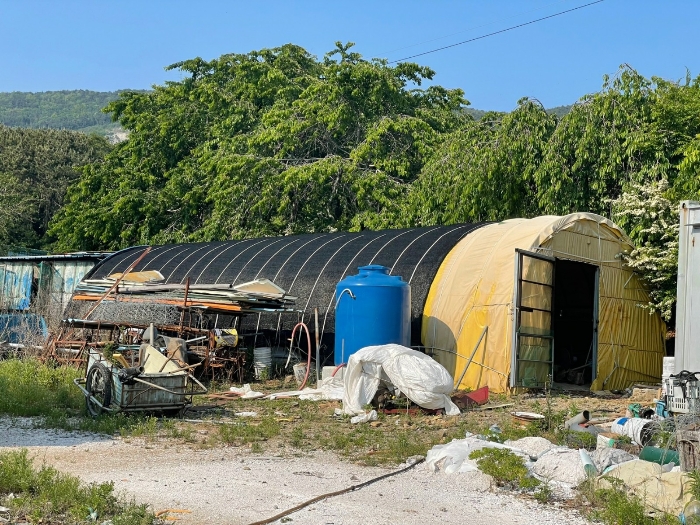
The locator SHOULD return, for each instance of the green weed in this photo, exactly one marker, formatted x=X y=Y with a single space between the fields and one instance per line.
x=296 y=438
x=144 y=427
x=45 y=495
x=245 y=432
x=543 y=493
x=506 y=468
x=31 y=388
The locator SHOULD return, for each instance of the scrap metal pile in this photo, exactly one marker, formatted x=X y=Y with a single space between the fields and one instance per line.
x=149 y=286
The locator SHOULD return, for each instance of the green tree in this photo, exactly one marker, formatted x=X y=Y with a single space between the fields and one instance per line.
x=630 y=152
x=36 y=167
x=266 y=143
x=484 y=171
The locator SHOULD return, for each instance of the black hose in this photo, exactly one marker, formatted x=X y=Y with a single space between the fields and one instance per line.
x=336 y=493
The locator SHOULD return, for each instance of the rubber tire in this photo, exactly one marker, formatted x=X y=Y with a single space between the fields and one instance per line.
x=98 y=383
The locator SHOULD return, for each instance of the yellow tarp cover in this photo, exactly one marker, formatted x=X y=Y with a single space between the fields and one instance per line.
x=474 y=290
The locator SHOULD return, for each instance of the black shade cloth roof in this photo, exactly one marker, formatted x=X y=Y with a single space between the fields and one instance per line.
x=307 y=266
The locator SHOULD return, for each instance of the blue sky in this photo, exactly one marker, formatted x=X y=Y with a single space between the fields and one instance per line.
x=108 y=45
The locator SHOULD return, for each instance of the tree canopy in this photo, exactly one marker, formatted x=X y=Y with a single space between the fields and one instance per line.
x=276 y=142
x=266 y=143
x=75 y=110
x=36 y=167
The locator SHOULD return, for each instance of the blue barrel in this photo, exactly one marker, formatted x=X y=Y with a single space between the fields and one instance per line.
x=372 y=308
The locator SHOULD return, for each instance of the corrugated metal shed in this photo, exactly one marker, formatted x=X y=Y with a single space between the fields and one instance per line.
x=43 y=284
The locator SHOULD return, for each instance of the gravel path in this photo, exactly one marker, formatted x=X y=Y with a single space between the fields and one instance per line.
x=232 y=486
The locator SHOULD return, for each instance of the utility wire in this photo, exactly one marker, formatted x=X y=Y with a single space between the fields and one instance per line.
x=497 y=32
x=468 y=29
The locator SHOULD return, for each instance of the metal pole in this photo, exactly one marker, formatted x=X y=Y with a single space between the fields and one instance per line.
x=469 y=362
x=318 y=347
x=184 y=307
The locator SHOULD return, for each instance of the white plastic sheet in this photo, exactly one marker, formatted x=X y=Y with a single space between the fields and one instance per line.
x=453 y=457
x=246 y=392
x=422 y=379
x=328 y=389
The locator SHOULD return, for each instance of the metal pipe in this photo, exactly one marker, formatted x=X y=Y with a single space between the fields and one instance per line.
x=469 y=362
x=318 y=347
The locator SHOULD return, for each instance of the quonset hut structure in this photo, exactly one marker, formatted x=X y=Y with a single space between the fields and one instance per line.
x=506 y=305
x=307 y=267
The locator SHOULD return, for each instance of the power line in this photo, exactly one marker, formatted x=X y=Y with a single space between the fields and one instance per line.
x=468 y=29
x=498 y=32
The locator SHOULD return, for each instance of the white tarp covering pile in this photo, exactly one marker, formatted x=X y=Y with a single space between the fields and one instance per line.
x=422 y=379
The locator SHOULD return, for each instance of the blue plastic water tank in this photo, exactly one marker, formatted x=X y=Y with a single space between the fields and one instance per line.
x=373 y=308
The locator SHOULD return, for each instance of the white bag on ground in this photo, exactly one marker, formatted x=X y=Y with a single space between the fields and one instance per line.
x=422 y=379
x=454 y=456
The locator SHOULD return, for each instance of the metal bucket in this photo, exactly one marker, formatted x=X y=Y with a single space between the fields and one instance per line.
x=262 y=362
x=299 y=372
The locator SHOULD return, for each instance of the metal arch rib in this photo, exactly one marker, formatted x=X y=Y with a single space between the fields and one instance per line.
x=227 y=246
x=250 y=259
x=388 y=243
x=198 y=260
x=183 y=249
x=275 y=255
x=274 y=280
x=311 y=293
x=391 y=271
x=161 y=252
x=310 y=257
x=183 y=261
x=279 y=316
x=237 y=256
x=342 y=276
x=431 y=247
x=125 y=257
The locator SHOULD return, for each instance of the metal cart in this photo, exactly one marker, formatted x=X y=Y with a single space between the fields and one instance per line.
x=111 y=388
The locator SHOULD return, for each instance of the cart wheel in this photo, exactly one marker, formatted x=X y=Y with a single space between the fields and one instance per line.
x=99 y=384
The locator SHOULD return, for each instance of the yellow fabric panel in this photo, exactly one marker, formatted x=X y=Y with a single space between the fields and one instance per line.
x=474 y=287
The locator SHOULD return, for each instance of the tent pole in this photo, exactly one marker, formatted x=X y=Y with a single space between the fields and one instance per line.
x=469 y=362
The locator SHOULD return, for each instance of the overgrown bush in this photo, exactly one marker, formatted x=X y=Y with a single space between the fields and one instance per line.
x=505 y=467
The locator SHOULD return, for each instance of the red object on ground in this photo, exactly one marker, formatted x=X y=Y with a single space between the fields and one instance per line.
x=479 y=396
x=466 y=400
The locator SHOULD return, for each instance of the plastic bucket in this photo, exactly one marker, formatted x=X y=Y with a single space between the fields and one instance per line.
x=299 y=372
x=261 y=371
x=640 y=430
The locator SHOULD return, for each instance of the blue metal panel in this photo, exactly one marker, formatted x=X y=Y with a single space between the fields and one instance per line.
x=16 y=285
x=373 y=308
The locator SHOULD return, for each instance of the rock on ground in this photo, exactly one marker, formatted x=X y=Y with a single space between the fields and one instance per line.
x=533 y=446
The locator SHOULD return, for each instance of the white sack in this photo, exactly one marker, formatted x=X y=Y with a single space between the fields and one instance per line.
x=422 y=379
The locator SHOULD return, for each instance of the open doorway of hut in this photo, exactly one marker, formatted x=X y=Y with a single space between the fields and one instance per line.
x=575 y=314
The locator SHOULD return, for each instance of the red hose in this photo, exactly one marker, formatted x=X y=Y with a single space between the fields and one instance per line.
x=308 y=360
x=335 y=371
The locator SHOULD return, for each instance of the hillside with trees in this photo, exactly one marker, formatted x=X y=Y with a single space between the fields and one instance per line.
x=78 y=110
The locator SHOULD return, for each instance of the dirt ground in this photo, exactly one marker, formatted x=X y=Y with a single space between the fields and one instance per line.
x=229 y=485
x=201 y=479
